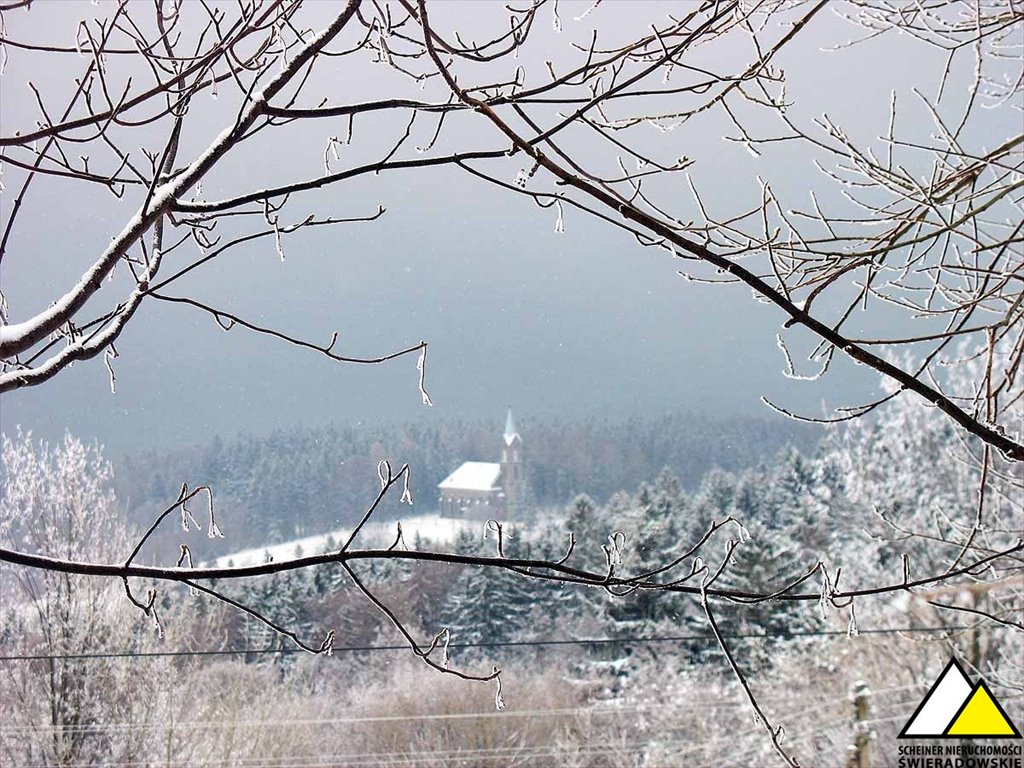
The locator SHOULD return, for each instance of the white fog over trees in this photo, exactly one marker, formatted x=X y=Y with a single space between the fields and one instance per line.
x=749 y=272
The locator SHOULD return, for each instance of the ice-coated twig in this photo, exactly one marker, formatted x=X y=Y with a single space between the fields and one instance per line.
x=569 y=549
x=776 y=734
x=109 y=355
x=185 y=558
x=399 y=539
x=422 y=653
x=387 y=480
x=325 y=647
x=493 y=526
x=421 y=367
x=179 y=503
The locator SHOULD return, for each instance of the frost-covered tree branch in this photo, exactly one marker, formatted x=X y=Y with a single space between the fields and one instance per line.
x=924 y=223
x=930 y=227
x=670 y=577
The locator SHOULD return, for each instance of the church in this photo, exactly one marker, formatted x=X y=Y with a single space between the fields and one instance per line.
x=488 y=490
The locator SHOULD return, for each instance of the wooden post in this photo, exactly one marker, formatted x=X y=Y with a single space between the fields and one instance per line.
x=858 y=751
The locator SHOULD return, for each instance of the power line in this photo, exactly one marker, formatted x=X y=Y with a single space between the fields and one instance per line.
x=675 y=747
x=364 y=720
x=631 y=709
x=497 y=644
x=624 y=709
x=389 y=758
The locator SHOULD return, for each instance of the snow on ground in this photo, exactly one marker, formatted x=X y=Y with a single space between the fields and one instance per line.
x=438 y=529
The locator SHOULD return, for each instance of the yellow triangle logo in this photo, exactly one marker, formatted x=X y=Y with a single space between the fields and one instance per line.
x=981 y=717
x=956 y=708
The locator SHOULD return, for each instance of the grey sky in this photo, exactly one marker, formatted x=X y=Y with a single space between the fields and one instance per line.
x=514 y=313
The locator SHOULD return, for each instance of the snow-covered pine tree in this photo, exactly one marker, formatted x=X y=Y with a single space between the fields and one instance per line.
x=281 y=598
x=489 y=605
x=799 y=501
x=765 y=563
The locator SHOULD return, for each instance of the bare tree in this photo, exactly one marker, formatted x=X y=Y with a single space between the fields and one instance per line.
x=58 y=500
x=927 y=225
x=936 y=232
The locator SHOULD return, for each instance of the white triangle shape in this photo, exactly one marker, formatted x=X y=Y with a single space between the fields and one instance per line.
x=942 y=703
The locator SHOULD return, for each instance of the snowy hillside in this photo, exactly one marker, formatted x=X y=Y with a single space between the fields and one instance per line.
x=438 y=529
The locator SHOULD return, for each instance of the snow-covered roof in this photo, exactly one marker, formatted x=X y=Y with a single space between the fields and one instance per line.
x=473 y=476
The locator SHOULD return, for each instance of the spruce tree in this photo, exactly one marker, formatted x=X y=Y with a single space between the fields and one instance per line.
x=765 y=563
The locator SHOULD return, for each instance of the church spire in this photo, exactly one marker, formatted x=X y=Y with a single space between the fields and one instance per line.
x=510 y=429
x=513 y=470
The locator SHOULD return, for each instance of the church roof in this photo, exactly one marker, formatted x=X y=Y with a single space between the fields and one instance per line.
x=473 y=476
x=511 y=433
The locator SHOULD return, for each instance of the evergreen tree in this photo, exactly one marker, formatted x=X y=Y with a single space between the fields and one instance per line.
x=493 y=605
x=801 y=503
x=586 y=521
x=653 y=530
x=750 y=497
x=765 y=563
x=283 y=599
x=488 y=605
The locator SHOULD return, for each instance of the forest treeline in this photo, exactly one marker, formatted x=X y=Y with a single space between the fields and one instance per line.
x=788 y=508
x=310 y=480
x=860 y=501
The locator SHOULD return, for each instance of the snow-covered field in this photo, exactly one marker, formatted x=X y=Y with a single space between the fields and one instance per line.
x=438 y=529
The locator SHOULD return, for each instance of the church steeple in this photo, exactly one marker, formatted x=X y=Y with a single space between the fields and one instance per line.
x=513 y=474
x=510 y=429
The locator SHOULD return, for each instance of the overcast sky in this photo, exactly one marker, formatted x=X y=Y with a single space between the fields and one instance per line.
x=515 y=313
